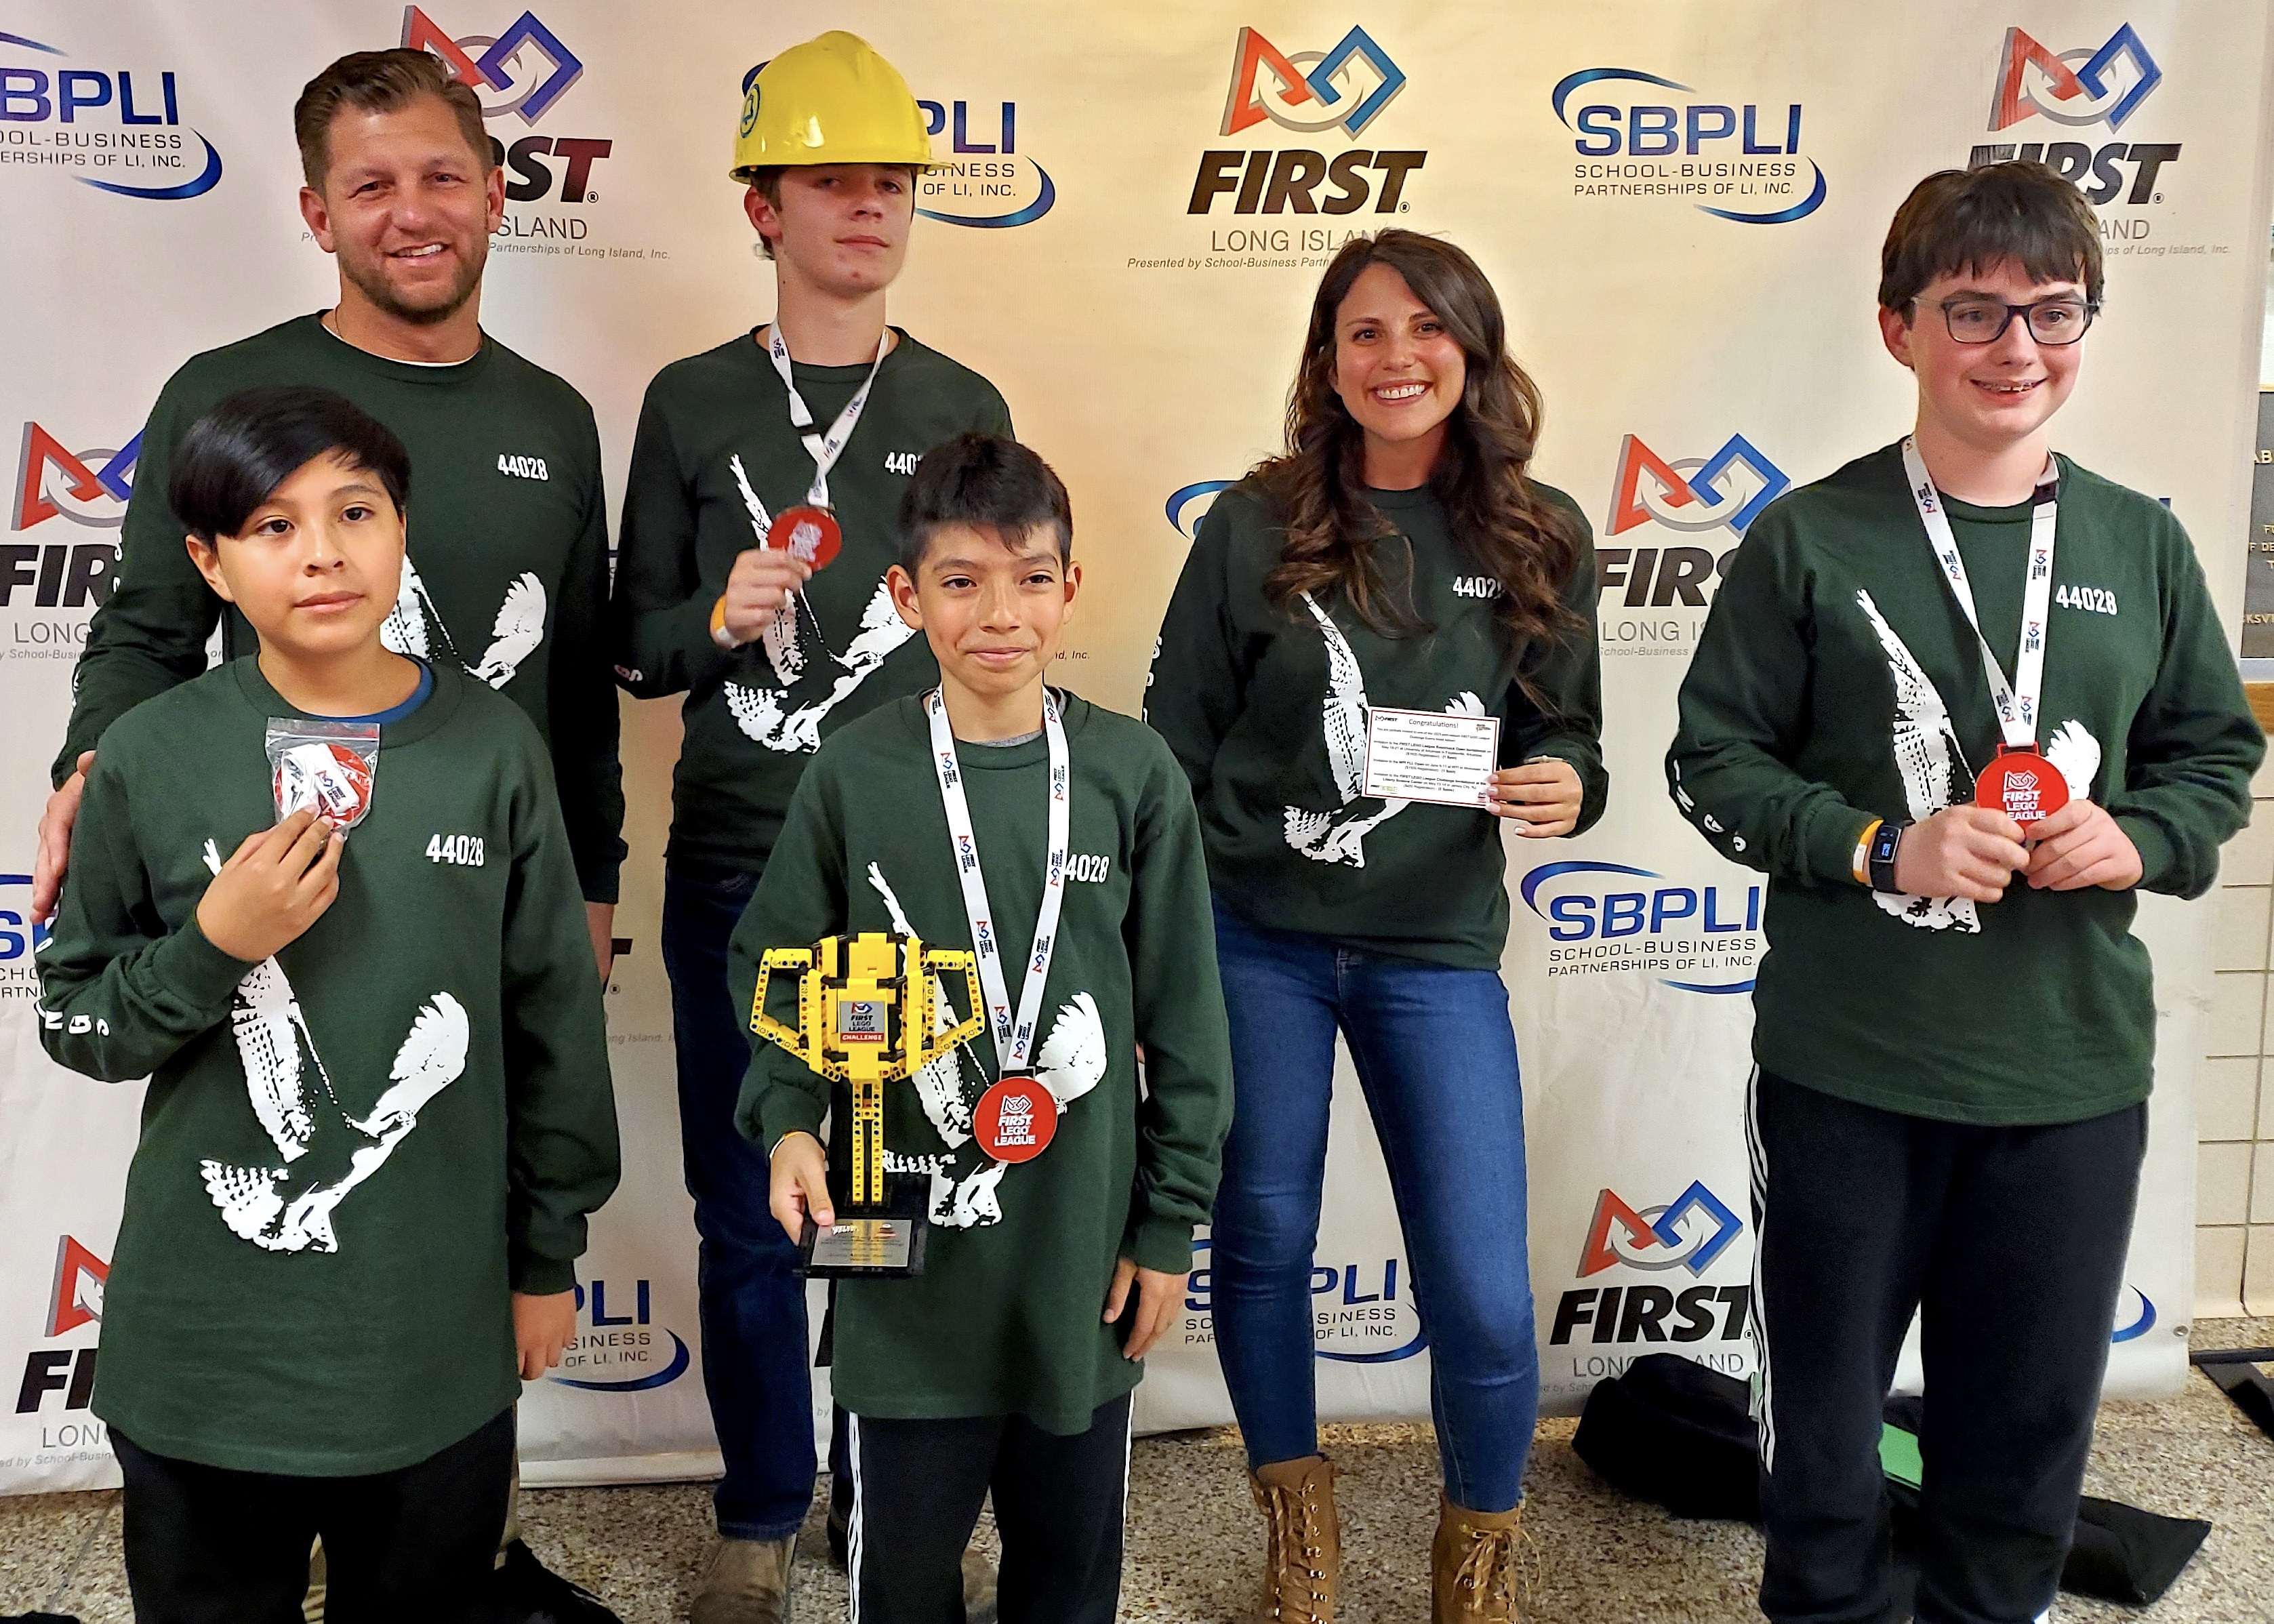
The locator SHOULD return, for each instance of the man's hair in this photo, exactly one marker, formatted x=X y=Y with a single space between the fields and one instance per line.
x=235 y=455
x=1969 y=219
x=983 y=480
x=379 y=81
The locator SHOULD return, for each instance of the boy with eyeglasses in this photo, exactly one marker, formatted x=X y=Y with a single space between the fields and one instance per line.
x=1961 y=700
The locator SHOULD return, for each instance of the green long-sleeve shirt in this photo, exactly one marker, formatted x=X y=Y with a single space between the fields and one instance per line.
x=714 y=458
x=507 y=575
x=1006 y=1316
x=351 y=1151
x=1267 y=712
x=1837 y=681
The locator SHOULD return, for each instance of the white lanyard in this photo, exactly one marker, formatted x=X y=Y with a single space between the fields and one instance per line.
x=1012 y=1042
x=2016 y=701
x=824 y=450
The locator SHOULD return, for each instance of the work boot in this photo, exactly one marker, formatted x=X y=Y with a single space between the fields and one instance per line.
x=1302 y=1541
x=748 y=1583
x=1478 y=1563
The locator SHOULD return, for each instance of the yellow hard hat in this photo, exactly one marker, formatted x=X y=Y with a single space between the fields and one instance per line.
x=832 y=99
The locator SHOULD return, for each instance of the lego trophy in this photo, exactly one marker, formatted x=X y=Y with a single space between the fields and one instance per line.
x=866 y=1010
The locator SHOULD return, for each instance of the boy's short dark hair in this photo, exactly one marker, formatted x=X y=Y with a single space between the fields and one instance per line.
x=1958 y=220
x=983 y=480
x=381 y=81
x=235 y=455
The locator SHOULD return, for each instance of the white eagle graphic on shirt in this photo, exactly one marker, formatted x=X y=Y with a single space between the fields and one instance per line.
x=814 y=679
x=1934 y=771
x=1339 y=835
x=325 y=1151
x=414 y=627
x=1070 y=1064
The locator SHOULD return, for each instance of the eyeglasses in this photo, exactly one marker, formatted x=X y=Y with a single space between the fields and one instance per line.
x=1984 y=321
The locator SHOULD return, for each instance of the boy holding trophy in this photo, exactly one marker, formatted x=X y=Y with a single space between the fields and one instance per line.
x=1054 y=844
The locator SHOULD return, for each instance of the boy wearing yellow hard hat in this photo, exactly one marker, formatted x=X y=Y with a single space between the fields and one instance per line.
x=759 y=521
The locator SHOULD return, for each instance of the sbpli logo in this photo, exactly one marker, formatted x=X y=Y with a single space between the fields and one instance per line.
x=986 y=182
x=521 y=73
x=1358 y=1315
x=1346 y=87
x=1725 y=491
x=1739 y=162
x=129 y=133
x=2091 y=85
x=75 y=1299
x=1189 y=506
x=1701 y=939
x=618 y=1352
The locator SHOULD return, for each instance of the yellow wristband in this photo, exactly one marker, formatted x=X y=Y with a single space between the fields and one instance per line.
x=718 y=632
x=1861 y=865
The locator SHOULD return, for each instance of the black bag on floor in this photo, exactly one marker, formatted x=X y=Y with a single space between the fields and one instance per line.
x=2118 y=1552
x=1672 y=1431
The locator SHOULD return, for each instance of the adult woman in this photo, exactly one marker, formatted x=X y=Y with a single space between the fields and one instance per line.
x=1395 y=557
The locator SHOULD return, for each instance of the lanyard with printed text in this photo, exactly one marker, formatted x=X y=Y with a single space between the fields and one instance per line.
x=2016 y=701
x=1014 y=1039
x=824 y=450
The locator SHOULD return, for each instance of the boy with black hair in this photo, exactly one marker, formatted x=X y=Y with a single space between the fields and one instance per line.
x=379 y=1110
x=812 y=422
x=1961 y=700
x=1052 y=1266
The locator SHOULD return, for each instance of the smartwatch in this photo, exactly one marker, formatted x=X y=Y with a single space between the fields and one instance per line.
x=1879 y=862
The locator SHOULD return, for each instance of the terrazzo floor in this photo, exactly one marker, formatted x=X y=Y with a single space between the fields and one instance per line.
x=1195 y=1541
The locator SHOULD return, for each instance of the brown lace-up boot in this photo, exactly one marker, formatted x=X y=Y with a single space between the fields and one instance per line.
x=1479 y=1566
x=1303 y=1541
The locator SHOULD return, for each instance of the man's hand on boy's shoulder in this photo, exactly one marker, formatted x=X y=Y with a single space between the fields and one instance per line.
x=1157 y=1296
x=543 y=1327
x=276 y=884
x=55 y=840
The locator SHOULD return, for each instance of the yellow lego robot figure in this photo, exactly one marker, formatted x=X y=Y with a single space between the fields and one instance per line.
x=866 y=1010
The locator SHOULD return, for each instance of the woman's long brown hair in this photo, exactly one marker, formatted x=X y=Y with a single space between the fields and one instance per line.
x=1317 y=486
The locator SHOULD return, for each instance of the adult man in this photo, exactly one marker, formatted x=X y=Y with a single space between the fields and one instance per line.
x=507 y=570
x=507 y=575
x=755 y=464
x=1954 y=1026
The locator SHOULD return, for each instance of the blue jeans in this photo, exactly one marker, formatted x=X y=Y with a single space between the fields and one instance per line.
x=1437 y=1057
x=754 y=1368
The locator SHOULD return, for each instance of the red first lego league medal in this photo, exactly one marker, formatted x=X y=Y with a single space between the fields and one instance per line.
x=1014 y=1120
x=807 y=533
x=2019 y=780
x=2022 y=785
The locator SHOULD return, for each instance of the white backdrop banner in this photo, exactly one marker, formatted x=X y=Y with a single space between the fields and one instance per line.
x=1681 y=204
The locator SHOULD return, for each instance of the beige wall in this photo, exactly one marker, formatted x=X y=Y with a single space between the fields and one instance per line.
x=2234 y=1109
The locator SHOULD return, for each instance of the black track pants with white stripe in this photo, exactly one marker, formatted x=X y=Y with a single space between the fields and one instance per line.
x=1060 y=1505
x=2009 y=1242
